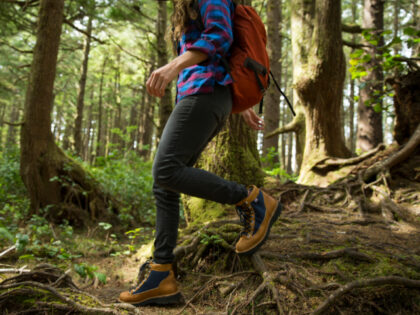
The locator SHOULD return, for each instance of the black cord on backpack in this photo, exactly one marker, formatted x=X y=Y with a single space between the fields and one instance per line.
x=284 y=95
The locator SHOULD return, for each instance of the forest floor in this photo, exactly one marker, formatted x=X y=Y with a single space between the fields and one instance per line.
x=343 y=249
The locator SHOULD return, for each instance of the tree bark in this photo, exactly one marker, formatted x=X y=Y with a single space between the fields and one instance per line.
x=115 y=138
x=147 y=121
x=89 y=131
x=352 y=139
x=11 y=132
x=51 y=178
x=166 y=102
x=272 y=98
x=319 y=72
x=100 y=149
x=407 y=105
x=369 y=131
x=78 y=143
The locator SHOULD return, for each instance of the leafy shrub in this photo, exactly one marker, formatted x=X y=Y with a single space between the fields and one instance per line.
x=14 y=203
x=130 y=179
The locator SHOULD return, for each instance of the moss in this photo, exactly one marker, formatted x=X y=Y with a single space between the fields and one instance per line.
x=201 y=211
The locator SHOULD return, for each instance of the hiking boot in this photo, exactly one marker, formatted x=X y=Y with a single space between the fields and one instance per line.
x=258 y=212
x=157 y=288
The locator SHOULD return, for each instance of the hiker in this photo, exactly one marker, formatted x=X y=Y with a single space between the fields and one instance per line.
x=203 y=104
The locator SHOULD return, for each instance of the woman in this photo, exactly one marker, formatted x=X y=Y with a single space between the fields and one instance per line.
x=202 y=108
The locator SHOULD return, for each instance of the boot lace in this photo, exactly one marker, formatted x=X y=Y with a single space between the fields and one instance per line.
x=247 y=216
x=144 y=273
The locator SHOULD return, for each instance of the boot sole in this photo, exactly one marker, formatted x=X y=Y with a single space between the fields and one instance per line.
x=272 y=220
x=163 y=300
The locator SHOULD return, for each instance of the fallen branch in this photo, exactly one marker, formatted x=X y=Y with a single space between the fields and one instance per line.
x=395 y=159
x=14 y=270
x=392 y=280
x=7 y=250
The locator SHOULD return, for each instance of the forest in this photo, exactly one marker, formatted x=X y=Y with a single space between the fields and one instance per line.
x=79 y=132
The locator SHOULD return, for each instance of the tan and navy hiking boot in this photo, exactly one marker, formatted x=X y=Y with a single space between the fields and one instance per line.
x=157 y=288
x=258 y=212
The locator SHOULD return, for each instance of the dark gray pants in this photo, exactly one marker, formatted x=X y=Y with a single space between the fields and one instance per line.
x=195 y=120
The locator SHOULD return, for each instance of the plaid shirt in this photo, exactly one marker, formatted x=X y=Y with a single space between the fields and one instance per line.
x=215 y=41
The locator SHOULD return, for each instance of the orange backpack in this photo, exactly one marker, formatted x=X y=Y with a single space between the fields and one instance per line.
x=248 y=63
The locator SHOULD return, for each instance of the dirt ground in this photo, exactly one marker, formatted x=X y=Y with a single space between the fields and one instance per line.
x=345 y=249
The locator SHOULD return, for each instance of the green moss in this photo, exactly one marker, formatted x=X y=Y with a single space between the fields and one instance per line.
x=201 y=210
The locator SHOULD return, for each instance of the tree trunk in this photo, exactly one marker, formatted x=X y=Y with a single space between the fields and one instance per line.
x=11 y=132
x=407 y=105
x=51 y=178
x=233 y=155
x=166 y=102
x=134 y=121
x=116 y=139
x=369 y=131
x=78 y=143
x=319 y=72
x=86 y=149
x=272 y=98
x=100 y=149
x=352 y=139
x=2 y=114
x=147 y=120
x=415 y=52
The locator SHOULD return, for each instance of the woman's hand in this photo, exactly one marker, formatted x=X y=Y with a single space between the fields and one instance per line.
x=252 y=119
x=160 y=78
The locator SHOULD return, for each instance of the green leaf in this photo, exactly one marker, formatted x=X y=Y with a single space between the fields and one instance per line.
x=101 y=277
x=21 y=242
x=409 y=31
x=80 y=269
x=5 y=234
x=377 y=108
x=26 y=257
x=357 y=53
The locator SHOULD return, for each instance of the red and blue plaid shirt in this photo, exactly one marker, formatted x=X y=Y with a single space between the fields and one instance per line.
x=215 y=41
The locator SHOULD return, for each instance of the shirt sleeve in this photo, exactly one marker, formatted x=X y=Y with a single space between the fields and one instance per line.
x=217 y=36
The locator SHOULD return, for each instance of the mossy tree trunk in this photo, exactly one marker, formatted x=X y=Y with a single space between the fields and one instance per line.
x=52 y=179
x=318 y=72
x=233 y=155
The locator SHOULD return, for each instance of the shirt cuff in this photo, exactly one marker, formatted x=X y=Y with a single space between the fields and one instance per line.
x=204 y=46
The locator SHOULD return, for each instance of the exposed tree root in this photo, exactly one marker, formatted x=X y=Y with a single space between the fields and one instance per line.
x=346 y=252
x=392 y=280
x=52 y=291
x=395 y=159
x=350 y=161
x=210 y=284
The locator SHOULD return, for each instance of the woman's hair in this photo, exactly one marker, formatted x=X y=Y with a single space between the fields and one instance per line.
x=183 y=13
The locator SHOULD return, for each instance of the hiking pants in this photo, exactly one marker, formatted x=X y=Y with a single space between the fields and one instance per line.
x=195 y=120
